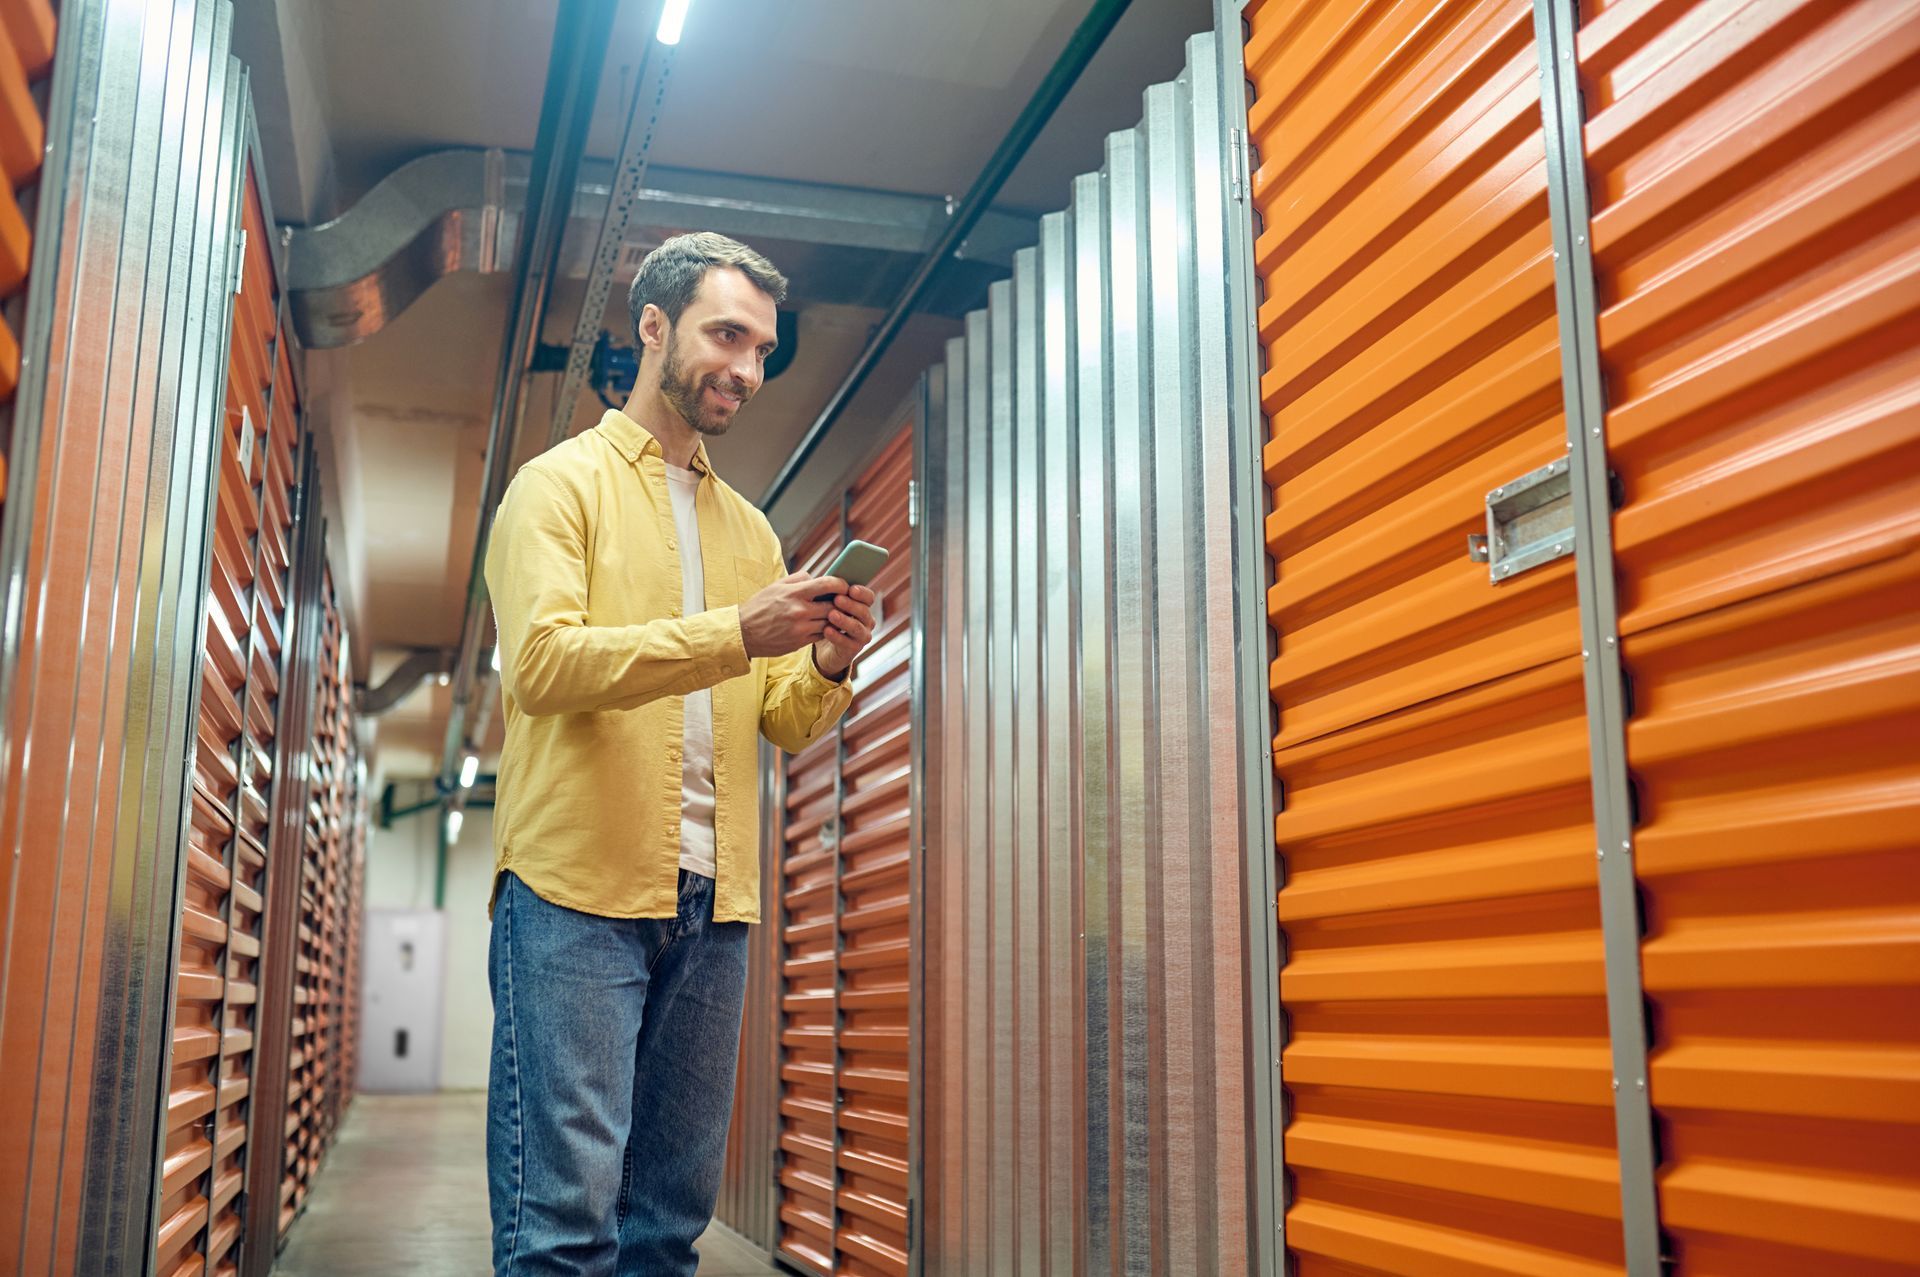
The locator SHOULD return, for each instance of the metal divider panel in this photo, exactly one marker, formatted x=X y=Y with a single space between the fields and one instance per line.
x=195 y=1225
x=1076 y=1119
x=1448 y=1068
x=256 y=517
x=876 y=905
x=809 y=976
x=1754 y=171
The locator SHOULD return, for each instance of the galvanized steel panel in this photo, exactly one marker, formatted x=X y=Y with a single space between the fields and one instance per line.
x=202 y=1133
x=746 y=1203
x=1086 y=883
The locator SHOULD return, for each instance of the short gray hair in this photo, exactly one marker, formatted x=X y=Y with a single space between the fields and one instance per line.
x=670 y=276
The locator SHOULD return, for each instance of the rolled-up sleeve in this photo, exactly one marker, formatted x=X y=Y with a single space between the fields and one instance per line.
x=800 y=702
x=551 y=660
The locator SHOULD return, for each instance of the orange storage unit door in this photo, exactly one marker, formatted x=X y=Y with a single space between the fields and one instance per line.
x=317 y=1088
x=1448 y=1063
x=1755 y=172
x=875 y=863
x=809 y=882
x=26 y=52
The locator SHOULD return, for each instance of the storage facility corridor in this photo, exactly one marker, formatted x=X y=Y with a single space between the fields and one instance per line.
x=1014 y=637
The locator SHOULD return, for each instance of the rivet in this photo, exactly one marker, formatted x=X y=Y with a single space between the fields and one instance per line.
x=1641 y=1083
x=1599 y=853
x=1616 y=1084
x=1626 y=844
x=1596 y=432
x=1579 y=239
x=1585 y=654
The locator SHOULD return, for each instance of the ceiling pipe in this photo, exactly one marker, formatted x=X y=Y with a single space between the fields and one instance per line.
x=582 y=32
x=420 y=665
x=1087 y=39
x=460 y=210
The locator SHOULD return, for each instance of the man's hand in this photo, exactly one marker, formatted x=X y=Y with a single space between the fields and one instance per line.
x=784 y=617
x=849 y=627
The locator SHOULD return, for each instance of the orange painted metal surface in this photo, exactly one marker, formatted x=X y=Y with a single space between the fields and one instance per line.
x=875 y=857
x=1412 y=349
x=26 y=52
x=23 y=133
x=318 y=1087
x=1447 y=1068
x=809 y=980
x=1755 y=170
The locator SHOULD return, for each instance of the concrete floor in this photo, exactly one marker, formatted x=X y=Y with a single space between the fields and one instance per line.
x=405 y=1191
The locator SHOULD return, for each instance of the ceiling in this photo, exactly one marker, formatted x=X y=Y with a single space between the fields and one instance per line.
x=907 y=96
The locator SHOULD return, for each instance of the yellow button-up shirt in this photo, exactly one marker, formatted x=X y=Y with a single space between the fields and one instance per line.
x=596 y=659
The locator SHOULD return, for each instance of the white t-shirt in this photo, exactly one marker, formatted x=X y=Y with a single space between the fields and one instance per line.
x=696 y=750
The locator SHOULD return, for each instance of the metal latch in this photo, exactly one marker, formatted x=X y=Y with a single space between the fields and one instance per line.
x=1529 y=522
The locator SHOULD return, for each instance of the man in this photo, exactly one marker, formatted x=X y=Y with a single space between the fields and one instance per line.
x=648 y=634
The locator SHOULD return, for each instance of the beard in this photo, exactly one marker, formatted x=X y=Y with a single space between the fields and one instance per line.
x=685 y=396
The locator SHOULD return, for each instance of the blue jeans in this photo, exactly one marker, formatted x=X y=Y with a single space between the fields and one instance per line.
x=614 y=1045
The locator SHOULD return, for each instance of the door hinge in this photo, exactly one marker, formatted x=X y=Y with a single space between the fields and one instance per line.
x=1236 y=164
x=913 y=503
x=240 y=264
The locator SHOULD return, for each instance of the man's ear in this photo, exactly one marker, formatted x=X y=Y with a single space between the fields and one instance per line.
x=652 y=332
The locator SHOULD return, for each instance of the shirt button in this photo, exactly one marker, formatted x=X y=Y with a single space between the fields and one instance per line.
x=673 y=611
x=672 y=546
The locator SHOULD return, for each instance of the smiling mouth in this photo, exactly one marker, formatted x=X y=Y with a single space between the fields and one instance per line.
x=727 y=397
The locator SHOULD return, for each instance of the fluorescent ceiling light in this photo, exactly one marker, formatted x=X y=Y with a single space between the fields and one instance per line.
x=469 y=770
x=454 y=820
x=672 y=19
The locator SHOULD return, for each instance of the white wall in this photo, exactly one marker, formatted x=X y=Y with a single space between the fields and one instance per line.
x=468 y=1035
x=400 y=873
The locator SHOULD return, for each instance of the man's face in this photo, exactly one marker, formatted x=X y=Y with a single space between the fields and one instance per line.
x=715 y=357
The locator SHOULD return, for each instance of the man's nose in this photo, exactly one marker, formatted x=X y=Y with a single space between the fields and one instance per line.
x=747 y=371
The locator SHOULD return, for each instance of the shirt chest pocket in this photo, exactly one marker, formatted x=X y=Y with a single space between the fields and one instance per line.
x=750 y=576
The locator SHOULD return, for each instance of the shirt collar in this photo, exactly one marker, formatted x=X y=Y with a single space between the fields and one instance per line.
x=633 y=441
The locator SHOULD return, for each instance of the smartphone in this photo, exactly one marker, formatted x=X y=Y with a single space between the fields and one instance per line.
x=857 y=564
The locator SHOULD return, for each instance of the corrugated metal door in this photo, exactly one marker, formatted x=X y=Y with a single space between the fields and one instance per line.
x=284 y=968
x=316 y=1087
x=1755 y=170
x=1448 y=1063
x=876 y=903
x=204 y=1138
x=809 y=876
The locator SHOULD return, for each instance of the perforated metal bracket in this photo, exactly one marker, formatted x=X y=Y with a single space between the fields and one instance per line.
x=1530 y=521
